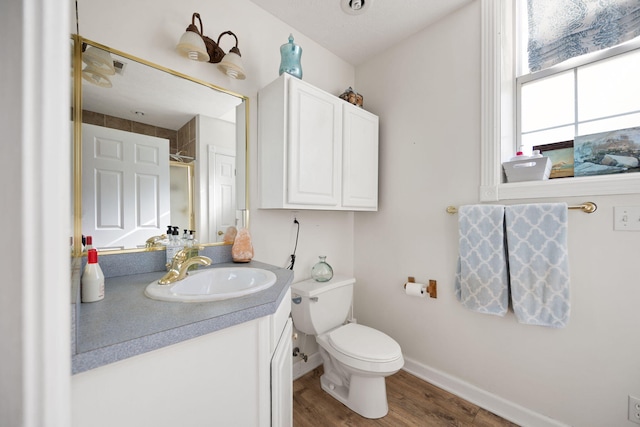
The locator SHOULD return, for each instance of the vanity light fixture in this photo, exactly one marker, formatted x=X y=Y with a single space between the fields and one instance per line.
x=99 y=59
x=99 y=66
x=196 y=46
x=231 y=63
x=94 y=76
x=191 y=43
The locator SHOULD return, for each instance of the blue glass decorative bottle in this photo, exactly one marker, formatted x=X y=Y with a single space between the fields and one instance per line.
x=290 y=54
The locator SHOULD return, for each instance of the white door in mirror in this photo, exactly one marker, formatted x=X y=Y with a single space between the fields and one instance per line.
x=125 y=191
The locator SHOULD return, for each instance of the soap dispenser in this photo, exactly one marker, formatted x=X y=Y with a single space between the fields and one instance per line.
x=92 y=281
x=192 y=237
x=174 y=246
x=192 y=244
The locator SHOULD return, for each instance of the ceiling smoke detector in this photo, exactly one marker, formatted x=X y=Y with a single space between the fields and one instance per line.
x=355 y=7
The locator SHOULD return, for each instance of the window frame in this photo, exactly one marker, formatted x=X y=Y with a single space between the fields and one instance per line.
x=499 y=119
x=573 y=66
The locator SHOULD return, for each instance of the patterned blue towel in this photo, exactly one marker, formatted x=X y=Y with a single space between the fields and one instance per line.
x=481 y=278
x=539 y=263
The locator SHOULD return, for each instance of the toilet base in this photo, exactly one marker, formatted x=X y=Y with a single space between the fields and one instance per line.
x=366 y=396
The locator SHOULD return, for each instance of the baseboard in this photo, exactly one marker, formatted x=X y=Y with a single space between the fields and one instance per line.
x=301 y=367
x=496 y=404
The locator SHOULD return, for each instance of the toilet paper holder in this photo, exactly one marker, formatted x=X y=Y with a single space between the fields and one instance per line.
x=431 y=288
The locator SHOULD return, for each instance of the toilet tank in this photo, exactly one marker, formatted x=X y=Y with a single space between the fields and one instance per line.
x=321 y=306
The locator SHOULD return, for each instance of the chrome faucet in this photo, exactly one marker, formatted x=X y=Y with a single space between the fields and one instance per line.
x=180 y=264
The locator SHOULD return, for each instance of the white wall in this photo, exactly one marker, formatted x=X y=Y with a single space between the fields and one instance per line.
x=430 y=149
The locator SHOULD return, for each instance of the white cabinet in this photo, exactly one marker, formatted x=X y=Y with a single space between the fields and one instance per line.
x=281 y=352
x=314 y=146
x=359 y=158
x=315 y=151
x=223 y=378
x=282 y=380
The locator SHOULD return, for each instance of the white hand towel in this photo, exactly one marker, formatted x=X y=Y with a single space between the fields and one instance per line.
x=539 y=263
x=481 y=279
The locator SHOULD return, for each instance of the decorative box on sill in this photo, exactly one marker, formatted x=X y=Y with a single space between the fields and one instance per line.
x=531 y=169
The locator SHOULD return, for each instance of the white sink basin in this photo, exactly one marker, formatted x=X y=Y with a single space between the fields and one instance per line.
x=213 y=284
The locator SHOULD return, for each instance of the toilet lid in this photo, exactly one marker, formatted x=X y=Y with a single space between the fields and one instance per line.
x=364 y=343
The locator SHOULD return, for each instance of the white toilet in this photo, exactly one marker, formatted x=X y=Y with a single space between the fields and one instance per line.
x=356 y=358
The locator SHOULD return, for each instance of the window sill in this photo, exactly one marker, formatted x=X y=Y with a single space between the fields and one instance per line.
x=563 y=187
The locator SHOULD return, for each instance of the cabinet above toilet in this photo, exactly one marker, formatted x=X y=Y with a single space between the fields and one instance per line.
x=315 y=151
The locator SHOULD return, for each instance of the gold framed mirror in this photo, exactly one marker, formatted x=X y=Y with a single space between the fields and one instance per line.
x=134 y=124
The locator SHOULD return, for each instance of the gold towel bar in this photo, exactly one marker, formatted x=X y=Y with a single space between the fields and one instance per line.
x=586 y=207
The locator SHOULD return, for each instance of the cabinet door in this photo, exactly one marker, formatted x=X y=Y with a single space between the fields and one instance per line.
x=360 y=159
x=212 y=380
x=282 y=380
x=314 y=146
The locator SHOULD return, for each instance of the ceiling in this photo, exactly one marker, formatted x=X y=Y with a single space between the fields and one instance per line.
x=356 y=38
x=151 y=96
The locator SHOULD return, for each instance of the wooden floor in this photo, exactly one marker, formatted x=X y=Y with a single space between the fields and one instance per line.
x=412 y=402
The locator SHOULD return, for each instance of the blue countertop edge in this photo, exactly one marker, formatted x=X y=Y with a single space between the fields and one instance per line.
x=245 y=309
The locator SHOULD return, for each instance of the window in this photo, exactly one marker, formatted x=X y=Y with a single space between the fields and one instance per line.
x=556 y=104
x=596 y=97
x=590 y=93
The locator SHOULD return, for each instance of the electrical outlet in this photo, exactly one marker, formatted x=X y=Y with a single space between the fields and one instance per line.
x=626 y=218
x=634 y=409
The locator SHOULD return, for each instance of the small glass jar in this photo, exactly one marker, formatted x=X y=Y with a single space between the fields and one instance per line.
x=322 y=272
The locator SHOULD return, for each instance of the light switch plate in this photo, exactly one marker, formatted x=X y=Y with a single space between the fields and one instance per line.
x=626 y=218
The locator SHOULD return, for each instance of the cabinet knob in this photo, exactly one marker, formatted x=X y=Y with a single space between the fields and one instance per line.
x=220 y=233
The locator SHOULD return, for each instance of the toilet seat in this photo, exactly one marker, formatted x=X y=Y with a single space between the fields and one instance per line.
x=364 y=343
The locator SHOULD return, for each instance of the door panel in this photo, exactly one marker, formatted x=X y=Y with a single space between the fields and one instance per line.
x=314 y=146
x=125 y=186
x=222 y=192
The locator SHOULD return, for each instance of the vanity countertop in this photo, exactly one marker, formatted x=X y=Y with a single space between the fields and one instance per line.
x=127 y=323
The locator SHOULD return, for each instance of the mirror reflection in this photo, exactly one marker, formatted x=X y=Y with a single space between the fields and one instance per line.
x=159 y=149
